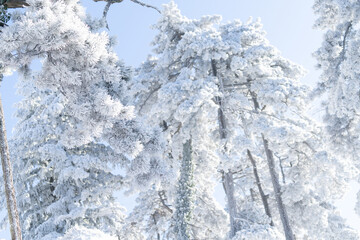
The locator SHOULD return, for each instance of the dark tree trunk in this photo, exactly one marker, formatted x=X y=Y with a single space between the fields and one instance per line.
x=264 y=198
x=277 y=190
x=227 y=178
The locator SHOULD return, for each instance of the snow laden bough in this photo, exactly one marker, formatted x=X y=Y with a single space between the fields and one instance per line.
x=76 y=62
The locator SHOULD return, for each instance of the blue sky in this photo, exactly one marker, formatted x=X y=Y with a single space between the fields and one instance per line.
x=288 y=25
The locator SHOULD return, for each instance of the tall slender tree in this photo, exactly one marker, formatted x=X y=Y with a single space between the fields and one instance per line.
x=6 y=164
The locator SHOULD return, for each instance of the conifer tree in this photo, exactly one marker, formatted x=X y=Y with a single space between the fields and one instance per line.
x=58 y=187
x=78 y=126
x=339 y=86
x=172 y=90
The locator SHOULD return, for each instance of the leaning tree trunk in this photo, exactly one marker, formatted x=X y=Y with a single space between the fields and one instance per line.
x=13 y=214
x=277 y=190
x=274 y=179
x=185 y=192
x=264 y=198
x=227 y=178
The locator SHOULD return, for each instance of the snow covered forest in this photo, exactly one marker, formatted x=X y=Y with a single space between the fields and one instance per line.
x=215 y=109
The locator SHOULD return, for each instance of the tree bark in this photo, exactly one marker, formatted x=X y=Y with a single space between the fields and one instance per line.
x=184 y=204
x=228 y=183
x=13 y=214
x=277 y=190
x=264 y=198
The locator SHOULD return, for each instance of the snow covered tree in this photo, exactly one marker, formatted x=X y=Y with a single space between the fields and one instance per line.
x=78 y=63
x=259 y=112
x=78 y=126
x=83 y=233
x=59 y=187
x=251 y=69
x=265 y=113
x=338 y=59
x=174 y=90
x=151 y=218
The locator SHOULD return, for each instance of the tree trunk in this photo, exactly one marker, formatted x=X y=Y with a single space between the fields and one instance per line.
x=277 y=190
x=228 y=183
x=13 y=214
x=184 y=204
x=258 y=183
x=274 y=179
x=228 y=179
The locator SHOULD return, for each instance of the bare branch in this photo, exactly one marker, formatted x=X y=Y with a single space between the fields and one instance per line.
x=146 y=5
x=163 y=199
x=148 y=97
x=109 y=2
x=106 y=9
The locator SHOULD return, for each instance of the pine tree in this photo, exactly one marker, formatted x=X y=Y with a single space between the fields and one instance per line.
x=338 y=86
x=59 y=187
x=73 y=126
x=265 y=111
x=78 y=63
x=172 y=90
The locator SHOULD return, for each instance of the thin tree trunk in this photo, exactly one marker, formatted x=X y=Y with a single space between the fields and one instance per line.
x=258 y=183
x=13 y=214
x=184 y=204
x=228 y=179
x=277 y=190
x=274 y=179
x=231 y=201
x=155 y=222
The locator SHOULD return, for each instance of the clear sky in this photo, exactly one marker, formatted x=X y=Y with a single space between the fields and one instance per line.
x=288 y=25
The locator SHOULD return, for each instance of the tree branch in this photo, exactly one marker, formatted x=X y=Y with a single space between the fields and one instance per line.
x=163 y=199
x=146 y=5
x=23 y=3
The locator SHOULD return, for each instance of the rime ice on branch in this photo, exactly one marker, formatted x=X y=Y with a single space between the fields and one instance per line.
x=338 y=58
